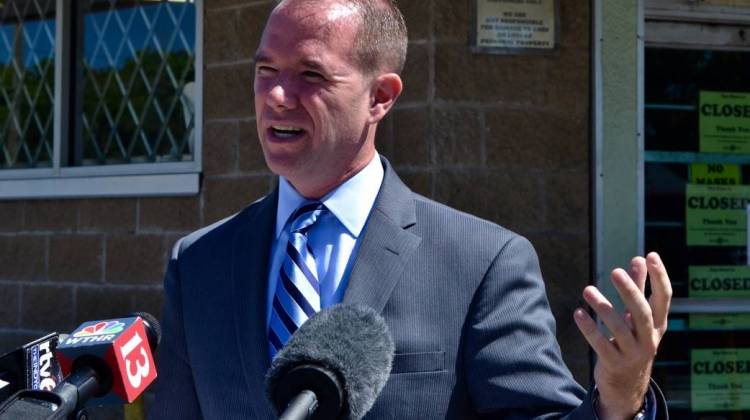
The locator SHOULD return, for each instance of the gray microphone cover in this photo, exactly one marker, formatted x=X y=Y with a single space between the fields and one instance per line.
x=353 y=342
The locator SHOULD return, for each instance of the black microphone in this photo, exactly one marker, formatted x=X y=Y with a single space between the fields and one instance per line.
x=334 y=366
x=109 y=362
x=31 y=366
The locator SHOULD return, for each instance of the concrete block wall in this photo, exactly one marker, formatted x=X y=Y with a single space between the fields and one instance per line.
x=506 y=138
x=503 y=137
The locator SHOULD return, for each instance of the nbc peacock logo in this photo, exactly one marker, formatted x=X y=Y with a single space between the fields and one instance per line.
x=101 y=328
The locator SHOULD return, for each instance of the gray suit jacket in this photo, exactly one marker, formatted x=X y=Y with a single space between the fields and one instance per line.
x=463 y=297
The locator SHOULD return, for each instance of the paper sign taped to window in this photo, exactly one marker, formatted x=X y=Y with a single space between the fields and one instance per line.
x=719 y=281
x=724 y=122
x=719 y=379
x=715 y=173
x=733 y=321
x=715 y=215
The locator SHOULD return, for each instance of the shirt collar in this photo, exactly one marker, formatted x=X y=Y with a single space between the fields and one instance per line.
x=350 y=202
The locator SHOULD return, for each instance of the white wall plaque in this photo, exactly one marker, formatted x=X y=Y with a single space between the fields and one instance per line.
x=515 y=26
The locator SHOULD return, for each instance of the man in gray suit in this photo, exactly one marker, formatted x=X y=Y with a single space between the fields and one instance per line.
x=463 y=297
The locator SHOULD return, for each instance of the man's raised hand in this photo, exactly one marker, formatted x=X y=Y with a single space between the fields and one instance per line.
x=623 y=368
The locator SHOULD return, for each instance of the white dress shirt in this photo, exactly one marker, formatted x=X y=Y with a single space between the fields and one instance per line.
x=335 y=236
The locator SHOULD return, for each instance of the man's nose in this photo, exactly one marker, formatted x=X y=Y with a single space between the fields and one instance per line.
x=282 y=95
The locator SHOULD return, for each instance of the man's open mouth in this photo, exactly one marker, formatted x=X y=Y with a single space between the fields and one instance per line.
x=286 y=132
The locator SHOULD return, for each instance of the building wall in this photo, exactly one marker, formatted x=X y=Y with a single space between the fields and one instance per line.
x=503 y=137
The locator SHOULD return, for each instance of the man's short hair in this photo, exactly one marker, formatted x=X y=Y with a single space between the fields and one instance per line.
x=382 y=37
x=380 y=43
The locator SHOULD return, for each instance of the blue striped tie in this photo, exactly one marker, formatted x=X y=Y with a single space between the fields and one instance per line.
x=297 y=295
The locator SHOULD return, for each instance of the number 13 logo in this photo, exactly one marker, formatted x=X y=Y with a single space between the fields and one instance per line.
x=142 y=366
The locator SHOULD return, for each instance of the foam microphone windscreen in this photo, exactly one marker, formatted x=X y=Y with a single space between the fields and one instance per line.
x=351 y=341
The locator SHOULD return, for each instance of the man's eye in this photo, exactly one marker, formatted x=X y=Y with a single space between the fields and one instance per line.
x=313 y=75
x=264 y=70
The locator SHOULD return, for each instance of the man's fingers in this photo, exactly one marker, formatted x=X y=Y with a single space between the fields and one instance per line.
x=629 y=320
x=661 y=289
x=601 y=344
x=638 y=272
x=635 y=302
x=613 y=320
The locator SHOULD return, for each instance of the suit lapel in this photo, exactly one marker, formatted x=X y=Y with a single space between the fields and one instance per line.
x=249 y=280
x=386 y=246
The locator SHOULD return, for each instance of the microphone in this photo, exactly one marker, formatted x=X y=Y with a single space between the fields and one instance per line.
x=106 y=362
x=334 y=366
x=31 y=366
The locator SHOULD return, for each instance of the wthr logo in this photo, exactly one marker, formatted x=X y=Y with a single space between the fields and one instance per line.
x=101 y=328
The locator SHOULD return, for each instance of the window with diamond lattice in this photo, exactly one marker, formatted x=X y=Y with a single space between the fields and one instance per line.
x=27 y=43
x=99 y=88
x=137 y=61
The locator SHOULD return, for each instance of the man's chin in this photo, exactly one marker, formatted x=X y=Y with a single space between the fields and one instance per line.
x=283 y=165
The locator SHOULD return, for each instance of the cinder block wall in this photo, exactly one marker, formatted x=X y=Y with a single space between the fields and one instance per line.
x=503 y=137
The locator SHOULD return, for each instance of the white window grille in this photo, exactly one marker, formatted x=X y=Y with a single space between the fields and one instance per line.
x=100 y=97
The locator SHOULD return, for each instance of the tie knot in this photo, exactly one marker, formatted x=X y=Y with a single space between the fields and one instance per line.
x=306 y=216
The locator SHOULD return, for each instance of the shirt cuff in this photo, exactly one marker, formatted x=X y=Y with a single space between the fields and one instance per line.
x=649 y=406
x=648 y=410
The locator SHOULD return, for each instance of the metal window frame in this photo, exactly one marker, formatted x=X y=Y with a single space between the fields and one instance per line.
x=126 y=180
x=691 y=11
x=663 y=34
x=617 y=186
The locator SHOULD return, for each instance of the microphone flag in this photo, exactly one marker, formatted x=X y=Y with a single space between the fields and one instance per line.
x=122 y=344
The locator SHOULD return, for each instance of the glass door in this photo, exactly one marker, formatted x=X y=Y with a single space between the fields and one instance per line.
x=697 y=196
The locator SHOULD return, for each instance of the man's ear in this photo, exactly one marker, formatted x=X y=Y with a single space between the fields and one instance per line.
x=385 y=90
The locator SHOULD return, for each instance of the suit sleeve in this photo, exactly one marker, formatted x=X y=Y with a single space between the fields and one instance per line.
x=513 y=363
x=175 y=389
